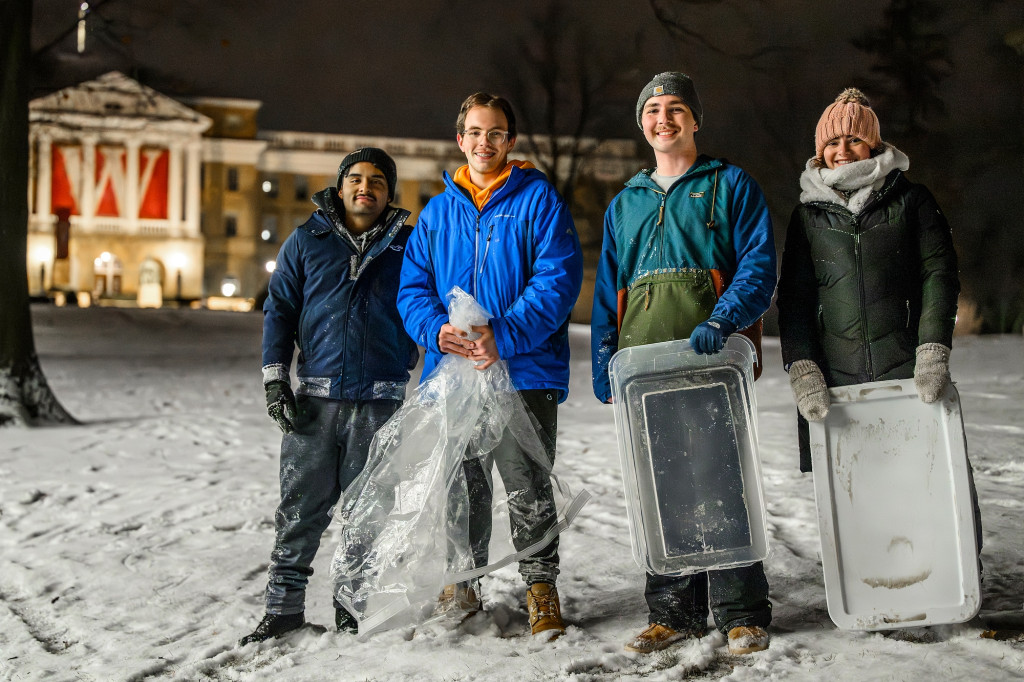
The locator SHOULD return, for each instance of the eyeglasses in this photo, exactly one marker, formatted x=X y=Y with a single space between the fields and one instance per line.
x=495 y=137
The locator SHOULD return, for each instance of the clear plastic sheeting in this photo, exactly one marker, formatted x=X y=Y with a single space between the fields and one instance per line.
x=688 y=443
x=406 y=519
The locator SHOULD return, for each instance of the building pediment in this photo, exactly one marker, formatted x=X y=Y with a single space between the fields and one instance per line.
x=116 y=102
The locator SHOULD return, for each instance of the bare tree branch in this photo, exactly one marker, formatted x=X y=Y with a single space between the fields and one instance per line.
x=680 y=30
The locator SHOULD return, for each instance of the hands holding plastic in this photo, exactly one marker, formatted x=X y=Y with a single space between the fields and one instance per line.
x=477 y=345
x=809 y=389
x=710 y=335
x=931 y=372
x=281 y=404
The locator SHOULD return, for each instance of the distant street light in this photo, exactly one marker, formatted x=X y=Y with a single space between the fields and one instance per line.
x=83 y=12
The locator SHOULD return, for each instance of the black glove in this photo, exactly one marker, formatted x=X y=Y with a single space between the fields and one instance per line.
x=281 y=404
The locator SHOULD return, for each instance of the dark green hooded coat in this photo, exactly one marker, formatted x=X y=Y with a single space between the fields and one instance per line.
x=859 y=293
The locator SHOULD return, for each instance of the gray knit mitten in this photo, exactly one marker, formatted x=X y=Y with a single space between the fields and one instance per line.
x=810 y=389
x=931 y=373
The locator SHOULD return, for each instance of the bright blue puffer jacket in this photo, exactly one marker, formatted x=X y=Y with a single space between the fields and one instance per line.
x=352 y=345
x=519 y=257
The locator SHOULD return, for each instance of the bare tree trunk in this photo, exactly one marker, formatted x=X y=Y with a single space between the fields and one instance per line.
x=25 y=397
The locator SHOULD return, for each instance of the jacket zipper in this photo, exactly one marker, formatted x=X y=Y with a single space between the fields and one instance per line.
x=357 y=267
x=476 y=253
x=487 y=246
x=863 y=312
x=660 y=225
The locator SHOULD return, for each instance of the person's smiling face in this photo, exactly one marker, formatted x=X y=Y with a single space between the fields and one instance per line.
x=486 y=158
x=668 y=124
x=364 y=192
x=845 y=149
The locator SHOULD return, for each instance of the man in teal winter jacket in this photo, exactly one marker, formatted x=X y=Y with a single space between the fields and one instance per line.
x=688 y=252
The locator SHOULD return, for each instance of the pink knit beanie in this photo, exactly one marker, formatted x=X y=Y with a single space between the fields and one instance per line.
x=850 y=114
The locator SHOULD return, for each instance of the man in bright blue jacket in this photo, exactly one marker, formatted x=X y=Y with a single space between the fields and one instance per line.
x=688 y=252
x=333 y=296
x=501 y=232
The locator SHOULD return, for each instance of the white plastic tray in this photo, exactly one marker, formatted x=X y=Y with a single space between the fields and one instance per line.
x=894 y=508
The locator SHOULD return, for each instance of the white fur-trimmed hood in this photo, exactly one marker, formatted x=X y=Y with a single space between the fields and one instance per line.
x=850 y=185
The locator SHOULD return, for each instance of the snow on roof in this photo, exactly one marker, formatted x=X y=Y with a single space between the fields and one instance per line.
x=115 y=101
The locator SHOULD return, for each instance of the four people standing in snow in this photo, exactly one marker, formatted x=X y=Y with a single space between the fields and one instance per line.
x=688 y=251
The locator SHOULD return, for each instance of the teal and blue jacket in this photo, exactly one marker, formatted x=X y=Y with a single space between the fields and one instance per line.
x=705 y=247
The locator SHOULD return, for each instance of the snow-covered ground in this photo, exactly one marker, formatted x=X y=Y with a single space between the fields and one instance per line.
x=135 y=546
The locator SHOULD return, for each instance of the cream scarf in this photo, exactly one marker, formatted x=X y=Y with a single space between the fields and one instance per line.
x=852 y=184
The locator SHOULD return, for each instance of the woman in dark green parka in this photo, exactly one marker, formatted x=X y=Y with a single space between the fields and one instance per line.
x=868 y=287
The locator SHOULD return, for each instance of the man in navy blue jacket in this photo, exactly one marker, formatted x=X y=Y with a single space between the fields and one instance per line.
x=332 y=295
x=501 y=232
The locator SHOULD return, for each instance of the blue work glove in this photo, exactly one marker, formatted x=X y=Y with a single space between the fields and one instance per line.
x=281 y=404
x=710 y=335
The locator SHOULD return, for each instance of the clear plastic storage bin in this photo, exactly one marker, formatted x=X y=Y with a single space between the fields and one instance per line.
x=688 y=443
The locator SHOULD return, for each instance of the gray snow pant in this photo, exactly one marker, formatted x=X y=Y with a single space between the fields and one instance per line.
x=739 y=596
x=324 y=454
x=528 y=487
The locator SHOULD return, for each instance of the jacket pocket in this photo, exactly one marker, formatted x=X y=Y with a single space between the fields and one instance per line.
x=666 y=306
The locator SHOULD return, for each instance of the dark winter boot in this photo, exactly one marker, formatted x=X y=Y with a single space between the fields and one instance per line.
x=274 y=625
x=345 y=621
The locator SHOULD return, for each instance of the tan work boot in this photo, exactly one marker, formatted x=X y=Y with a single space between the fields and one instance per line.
x=657 y=637
x=746 y=639
x=458 y=597
x=545 y=611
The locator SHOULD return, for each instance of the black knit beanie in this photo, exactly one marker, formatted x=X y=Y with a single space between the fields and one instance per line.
x=671 y=83
x=379 y=158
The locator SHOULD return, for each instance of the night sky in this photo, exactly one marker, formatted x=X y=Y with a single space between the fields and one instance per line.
x=402 y=67
x=765 y=69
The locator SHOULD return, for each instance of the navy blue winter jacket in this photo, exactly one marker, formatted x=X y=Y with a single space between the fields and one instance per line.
x=351 y=342
x=519 y=257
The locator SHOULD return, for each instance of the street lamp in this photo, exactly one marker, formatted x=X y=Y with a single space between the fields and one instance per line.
x=229 y=286
x=83 y=13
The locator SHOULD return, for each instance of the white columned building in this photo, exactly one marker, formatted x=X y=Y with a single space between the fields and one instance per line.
x=107 y=156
